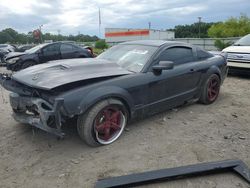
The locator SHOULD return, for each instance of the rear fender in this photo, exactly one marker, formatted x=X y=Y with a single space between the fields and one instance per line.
x=212 y=70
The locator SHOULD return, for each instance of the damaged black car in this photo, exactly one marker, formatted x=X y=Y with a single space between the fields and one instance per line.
x=43 y=53
x=128 y=81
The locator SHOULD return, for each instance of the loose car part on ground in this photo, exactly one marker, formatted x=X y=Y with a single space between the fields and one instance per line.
x=143 y=178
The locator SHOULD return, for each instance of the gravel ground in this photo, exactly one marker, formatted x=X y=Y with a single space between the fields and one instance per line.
x=190 y=134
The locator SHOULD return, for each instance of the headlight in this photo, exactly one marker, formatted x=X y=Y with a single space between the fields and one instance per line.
x=13 y=60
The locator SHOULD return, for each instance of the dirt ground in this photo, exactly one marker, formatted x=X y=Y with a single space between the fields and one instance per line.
x=190 y=134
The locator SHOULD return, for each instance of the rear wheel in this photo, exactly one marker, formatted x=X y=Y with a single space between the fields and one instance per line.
x=27 y=64
x=103 y=123
x=211 y=89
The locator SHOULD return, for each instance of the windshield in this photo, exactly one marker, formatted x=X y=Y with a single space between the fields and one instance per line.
x=244 y=41
x=34 y=49
x=131 y=57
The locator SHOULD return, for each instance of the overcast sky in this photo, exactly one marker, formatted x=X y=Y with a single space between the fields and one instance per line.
x=74 y=16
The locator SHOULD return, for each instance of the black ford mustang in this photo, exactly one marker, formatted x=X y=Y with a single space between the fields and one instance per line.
x=128 y=81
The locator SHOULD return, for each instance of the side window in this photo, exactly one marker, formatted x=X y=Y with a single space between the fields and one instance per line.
x=66 y=48
x=50 y=49
x=178 y=55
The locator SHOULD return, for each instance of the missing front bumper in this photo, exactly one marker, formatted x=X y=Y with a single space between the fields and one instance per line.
x=38 y=113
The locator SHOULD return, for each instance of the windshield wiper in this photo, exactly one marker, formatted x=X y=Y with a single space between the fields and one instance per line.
x=131 y=71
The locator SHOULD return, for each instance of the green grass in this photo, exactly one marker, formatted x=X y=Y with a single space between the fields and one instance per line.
x=97 y=51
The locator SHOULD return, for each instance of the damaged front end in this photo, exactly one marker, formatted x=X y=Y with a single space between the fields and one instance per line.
x=30 y=108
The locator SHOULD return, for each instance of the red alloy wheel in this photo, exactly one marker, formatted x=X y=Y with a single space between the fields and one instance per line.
x=109 y=124
x=213 y=89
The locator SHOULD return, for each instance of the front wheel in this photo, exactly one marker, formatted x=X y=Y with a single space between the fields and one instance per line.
x=27 y=64
x=103 y=123
x=210 y=89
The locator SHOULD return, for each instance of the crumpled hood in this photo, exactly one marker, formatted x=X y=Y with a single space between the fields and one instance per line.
x=237 y=49
x=57 y=73
x=14 y=54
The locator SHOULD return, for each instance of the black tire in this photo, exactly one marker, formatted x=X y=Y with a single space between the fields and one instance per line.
x=27 y=64
x=86 y=123
x=17 y=111
x=208 y=97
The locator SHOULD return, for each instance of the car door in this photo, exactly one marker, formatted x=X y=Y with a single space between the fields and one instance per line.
x=172 y=87
x=50 y=52
x=68 y=51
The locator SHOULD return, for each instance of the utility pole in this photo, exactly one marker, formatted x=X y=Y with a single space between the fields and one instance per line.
x=199 y=18
x=100 y=22
x=41 y=35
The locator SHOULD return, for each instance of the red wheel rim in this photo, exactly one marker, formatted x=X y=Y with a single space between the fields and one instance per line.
x=213 y=89
x=108 y=124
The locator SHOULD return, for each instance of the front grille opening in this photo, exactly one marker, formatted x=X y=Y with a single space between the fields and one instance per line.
x=45 y=106
x=51 y=122
x=32 y=110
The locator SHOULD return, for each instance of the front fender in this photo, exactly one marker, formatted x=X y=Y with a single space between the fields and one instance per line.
x=101 y=93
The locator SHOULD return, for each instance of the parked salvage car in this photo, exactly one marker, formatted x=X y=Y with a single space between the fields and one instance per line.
x=3 y=53
x=89 y=48
x=8 y=47
x=239 y=56
x=128 y=81
x=25 y=47
x=43 y=53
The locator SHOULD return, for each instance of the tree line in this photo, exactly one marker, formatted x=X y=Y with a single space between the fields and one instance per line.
x=232 y=27
x=195 y=30
x=9 y=35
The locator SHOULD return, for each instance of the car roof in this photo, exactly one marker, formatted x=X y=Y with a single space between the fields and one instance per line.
x=157 y=43
x=63 y=42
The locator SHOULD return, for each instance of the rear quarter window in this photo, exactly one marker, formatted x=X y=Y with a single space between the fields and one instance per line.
x=202 y=54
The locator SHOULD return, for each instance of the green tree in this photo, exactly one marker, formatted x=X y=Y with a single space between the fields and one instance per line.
x=192 y=31
x=5 y=37
x=101 y=44
x=9 y=35
x=221 y=44
x=12 y=33
x=233 y=27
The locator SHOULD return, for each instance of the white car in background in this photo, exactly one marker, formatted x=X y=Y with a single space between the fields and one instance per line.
x=239 y=55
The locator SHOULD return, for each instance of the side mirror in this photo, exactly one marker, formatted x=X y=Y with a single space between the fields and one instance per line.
x=164 y=65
